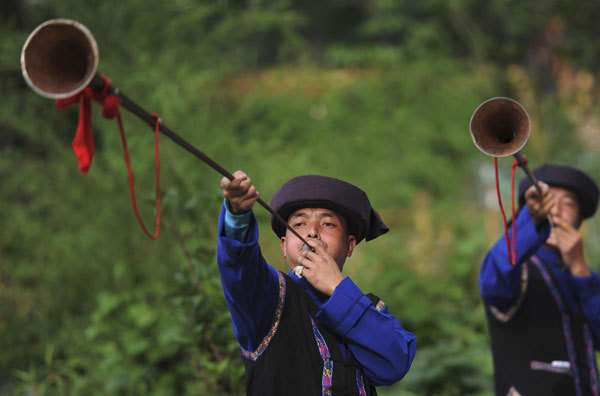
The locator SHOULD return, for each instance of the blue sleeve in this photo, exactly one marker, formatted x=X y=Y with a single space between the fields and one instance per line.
x=588 y=291
x=250 y=285
x=236 y=226
x=374 y=336
x=499 y=281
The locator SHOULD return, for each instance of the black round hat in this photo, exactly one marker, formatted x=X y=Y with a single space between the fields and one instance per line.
x=315 y=191
x=569 y=178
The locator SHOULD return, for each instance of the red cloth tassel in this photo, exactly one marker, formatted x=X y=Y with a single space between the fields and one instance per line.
x=83 y=142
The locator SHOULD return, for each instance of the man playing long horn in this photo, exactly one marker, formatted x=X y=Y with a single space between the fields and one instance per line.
x=311 y=331
x=544 y=312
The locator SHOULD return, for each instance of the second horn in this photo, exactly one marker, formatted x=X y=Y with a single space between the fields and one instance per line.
x=500 y=127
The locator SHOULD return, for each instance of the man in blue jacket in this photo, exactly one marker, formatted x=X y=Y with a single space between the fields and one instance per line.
x=311 y=331
x=544 y=312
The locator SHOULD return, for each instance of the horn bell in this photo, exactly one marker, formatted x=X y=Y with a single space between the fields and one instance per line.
x=500 y=127
x=59 y=58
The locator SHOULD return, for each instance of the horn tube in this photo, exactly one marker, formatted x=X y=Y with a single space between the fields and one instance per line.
x=60 y=59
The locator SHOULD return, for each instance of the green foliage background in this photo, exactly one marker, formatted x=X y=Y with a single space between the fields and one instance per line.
x=378 y=93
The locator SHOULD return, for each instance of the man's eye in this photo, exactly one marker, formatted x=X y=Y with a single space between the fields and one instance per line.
x=296 y=225
x=329 y=224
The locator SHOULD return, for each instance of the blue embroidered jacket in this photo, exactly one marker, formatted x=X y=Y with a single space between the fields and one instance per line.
x=379 y=343
x=500 y=283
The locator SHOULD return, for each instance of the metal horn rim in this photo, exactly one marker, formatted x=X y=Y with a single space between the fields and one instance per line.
x=514 y=149
x=84 y=83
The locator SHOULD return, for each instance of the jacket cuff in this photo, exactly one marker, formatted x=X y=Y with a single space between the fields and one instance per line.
x=229 y=248
x=344 y=308
x=525 y=223
x=587 y=286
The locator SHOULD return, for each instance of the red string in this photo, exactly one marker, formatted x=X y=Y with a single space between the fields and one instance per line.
x=512 y=196
x=510 y=245
x=83 y=143
x=131 y=178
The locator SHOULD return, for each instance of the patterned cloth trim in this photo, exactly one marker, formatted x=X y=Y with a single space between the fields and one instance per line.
x=327 y=379
x=535 y=365
x=566 y=320
x=380 y=306
x=361 y=384
x=591 y=359
x=278 y=310
x=505 y=316
x=513 y=392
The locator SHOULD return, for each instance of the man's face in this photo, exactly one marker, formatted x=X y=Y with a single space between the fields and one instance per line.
x=323 y=225
x=566 y=208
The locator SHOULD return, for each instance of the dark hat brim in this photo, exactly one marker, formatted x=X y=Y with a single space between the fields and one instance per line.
x=315 y=191
x=568 y=178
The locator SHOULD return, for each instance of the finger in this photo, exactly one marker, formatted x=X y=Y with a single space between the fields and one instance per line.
x=305 y=262
x=310 y=255
x=245 y=185
x=549 y=197
x=544 y=188
x=532 y=193
x=247 y=202
x=546 y=207
x=249 y=194
x=238 y=178
x=238 y=174
x=559 y=223
x=252 y=194
x=225 y=183
x=564 y=236
x=243 y=190
x=316 y=244
x=566 y=230
x=231 y=185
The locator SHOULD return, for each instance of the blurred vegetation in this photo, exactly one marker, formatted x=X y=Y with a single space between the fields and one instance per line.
x=378 y=93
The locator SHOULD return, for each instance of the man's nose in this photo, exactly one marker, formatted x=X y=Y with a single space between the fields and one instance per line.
x=313 y=231
x=555 y=210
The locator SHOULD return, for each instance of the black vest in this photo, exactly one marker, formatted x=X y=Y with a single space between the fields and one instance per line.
x=299 y=356
x=540 y=330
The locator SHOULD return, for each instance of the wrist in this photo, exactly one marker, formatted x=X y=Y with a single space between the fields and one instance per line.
x=334 y=285
x=234 y=209
x=580 y=271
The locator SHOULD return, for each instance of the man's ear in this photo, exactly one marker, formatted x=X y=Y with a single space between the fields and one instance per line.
x=283 y=246
x=351 y=244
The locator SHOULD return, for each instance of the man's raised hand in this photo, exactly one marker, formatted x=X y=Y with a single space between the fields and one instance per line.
x=239 y=192
x=539 y=204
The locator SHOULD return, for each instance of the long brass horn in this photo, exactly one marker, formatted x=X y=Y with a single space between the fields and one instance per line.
x=501 y=127
x=60 y=59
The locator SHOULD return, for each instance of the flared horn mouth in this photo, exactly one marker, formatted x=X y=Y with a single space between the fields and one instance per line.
x=500 y=127
x=59 y=58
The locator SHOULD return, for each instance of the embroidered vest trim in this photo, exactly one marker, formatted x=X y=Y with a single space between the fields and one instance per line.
x=253 y=355
x=566 y=320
